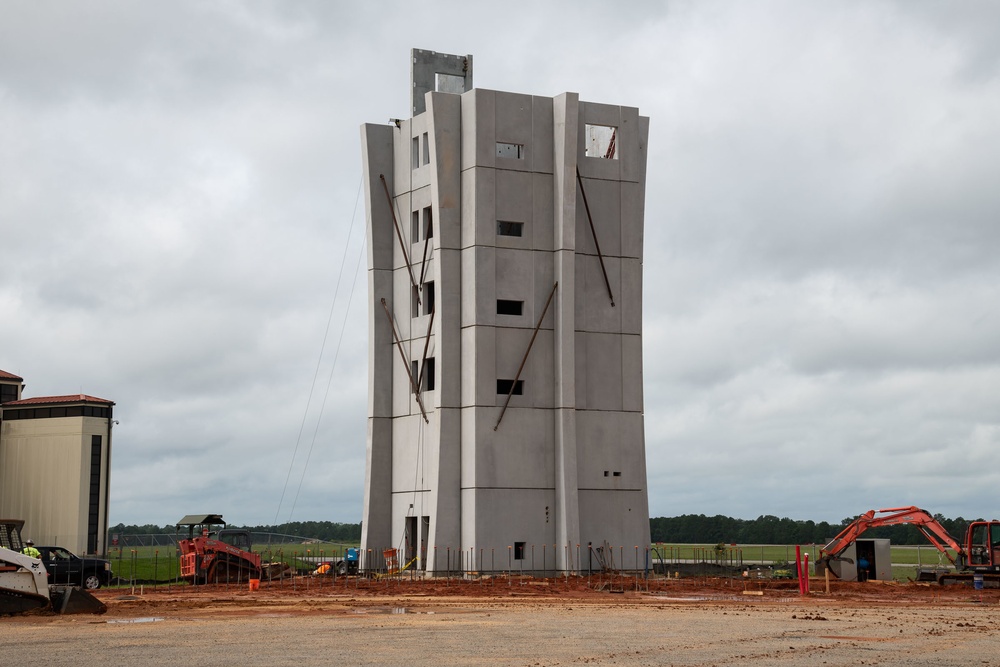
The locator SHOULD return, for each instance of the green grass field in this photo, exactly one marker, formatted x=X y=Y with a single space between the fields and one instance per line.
x=160 y=565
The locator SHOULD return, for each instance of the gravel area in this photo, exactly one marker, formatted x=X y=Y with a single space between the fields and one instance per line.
x=683 y=624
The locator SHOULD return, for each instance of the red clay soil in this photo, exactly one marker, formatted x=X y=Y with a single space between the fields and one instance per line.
x=303 y=593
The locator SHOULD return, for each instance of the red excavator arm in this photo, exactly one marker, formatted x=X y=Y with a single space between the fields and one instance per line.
x=894 y=516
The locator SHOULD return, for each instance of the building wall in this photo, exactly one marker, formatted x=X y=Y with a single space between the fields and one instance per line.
x=567 y=462
x=45 y=469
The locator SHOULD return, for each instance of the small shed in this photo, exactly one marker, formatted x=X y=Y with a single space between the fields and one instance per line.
x=862 y=561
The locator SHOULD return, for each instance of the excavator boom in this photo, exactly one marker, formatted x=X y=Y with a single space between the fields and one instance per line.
x=894 y=516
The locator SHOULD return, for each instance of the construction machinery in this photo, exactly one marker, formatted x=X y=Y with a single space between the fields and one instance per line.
x=210 y=556
x=24 y=582
x=976 y=558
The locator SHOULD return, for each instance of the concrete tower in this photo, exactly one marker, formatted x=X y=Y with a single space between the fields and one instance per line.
x=505 y=423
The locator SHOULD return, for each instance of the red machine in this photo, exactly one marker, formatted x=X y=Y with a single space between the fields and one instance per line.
x=210 y=557
x=978 y=556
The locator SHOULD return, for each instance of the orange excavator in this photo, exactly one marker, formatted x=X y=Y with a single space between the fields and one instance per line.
x=977 y=556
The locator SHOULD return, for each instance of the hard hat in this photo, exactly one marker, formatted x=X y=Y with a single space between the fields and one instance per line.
x=29 y=543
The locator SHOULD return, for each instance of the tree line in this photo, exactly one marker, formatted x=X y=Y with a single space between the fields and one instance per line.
x=684 y=529
x=767 y=529
x=325 y=531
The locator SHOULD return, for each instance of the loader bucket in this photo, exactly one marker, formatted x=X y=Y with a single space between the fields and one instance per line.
x=73 y=600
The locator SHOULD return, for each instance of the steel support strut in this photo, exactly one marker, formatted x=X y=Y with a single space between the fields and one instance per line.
x=406 y=364
x=525 y=357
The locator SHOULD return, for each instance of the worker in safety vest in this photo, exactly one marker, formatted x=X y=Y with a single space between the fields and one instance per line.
x=30 y=550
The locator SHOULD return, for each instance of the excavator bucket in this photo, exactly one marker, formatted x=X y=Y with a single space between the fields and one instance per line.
x=73 y=600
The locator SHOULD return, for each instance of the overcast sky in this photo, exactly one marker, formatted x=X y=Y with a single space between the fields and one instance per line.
x=178 y=225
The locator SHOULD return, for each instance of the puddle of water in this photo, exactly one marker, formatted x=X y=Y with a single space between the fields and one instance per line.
x=390 y=610
x=144 y=619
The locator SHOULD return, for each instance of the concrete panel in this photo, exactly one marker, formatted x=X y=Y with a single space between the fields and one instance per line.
x=565 y=111
x=519 y=454
x=445 y=114
x=603 y=354
x=401 y=254
x=398 y=173
x=611 y=441
x=377 y=151
x=376 y=516
x=620 y=518
x=631 y=220
x=479 y=293
x=420 y=177
x=604 y=200
x=486 y=367
x=448 y=326
x=513 y=125
x=412 y=468
x=632 y=373
x=628 y=145
x=597 y=167
x=483 y=104
x=537 y=372
x=540 y=230
x=515 y=278
x=580 y=370
x=542 y=128
x=543 y=276
x=444 y=454
x=513 y=195
x=505 y=518
x=478 y=207
x=380 y=344
x=595 y=312
x=630 y=299
x=400 y=305
x=424 y=68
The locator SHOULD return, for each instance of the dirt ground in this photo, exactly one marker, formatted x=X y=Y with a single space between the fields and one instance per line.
x=521 y=622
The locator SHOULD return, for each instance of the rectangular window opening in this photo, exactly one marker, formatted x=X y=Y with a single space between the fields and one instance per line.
x=428 y=223
x=512 y=151
x=617 y=473
x=601 y=141
x=503 y=387
x=519 y=550
x=429 y=374
x=414 y=372
x=427 y=151
x=414 y=302
x=606 y=473
x=507 y=307
x=415 y=153
x=510 y=228
x=414 y=226
x=428 y=295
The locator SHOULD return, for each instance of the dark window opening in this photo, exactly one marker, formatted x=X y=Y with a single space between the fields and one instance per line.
x=414 y=373
x=507 y=307
x=414 y=302
x=415 y=153
x=606 y=473
x=429 y=374
x=513 y=151
x=503 y=387
x=617 y=473
x=428 y=294
x=8 y=392
x=93 y=515
x=427 y=151
x=428 y=223
x=414 y=226
x=519 y=550
x=510 y=228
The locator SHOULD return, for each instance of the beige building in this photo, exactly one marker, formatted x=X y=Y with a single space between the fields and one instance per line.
x=55 y=466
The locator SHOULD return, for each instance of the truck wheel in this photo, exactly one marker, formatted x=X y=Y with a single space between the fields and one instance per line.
x=341 y=568
x=92 y=582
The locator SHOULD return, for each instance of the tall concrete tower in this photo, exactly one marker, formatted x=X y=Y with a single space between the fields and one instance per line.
x=505 y=423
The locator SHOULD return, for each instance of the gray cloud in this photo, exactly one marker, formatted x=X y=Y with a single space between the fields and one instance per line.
x=177 y=185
